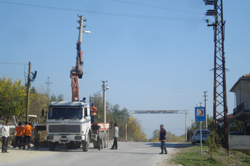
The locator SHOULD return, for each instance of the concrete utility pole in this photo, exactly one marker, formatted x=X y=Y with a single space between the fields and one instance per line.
x=28 y=94
x=205 y=102
x=104 y=88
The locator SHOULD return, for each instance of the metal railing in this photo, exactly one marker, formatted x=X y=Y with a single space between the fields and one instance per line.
x=243 y=106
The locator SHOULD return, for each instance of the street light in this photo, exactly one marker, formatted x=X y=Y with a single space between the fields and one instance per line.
x=87 y=32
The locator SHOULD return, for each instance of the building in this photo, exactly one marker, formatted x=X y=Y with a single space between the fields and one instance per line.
x=242 y=97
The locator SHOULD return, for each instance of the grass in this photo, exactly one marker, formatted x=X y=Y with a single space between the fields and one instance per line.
x=191 y=156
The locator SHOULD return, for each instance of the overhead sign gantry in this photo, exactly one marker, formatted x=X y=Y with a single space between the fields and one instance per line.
x=165 y=112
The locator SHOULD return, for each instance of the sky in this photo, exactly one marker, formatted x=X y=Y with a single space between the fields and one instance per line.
x=155 y=54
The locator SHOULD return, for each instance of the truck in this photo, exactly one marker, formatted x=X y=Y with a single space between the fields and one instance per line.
x=69 y=123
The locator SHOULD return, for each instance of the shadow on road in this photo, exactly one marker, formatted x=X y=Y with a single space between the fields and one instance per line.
x=171 y=145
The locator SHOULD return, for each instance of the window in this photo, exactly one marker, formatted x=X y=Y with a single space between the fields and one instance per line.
x=65 y=113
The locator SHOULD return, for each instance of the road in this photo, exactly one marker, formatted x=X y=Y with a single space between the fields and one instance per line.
x=128 y=154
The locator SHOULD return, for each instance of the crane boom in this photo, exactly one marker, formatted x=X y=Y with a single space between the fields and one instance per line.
x=76 y=71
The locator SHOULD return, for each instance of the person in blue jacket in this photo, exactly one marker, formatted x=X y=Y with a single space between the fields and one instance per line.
x=163 y=139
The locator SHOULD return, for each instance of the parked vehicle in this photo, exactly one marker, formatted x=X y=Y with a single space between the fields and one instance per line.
x=196 y=136
x=69 y=123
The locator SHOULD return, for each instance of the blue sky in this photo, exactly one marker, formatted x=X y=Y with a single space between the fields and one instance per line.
x=150 y=63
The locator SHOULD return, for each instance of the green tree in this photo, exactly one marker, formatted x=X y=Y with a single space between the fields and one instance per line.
x=53 y=98
x=155 y=137
x=38 y=102
x=213 y=142
x=12 y=98
x=60 y=97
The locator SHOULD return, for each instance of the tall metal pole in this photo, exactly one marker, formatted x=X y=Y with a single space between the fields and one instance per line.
x=186 y=125
x=28 y=94
x=201 y=135
x=224 y=80
x=104 y=101
x=205 y=102
x=126 y=132
x=220 y=98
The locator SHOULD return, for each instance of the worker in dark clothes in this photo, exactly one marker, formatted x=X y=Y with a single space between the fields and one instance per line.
x=163 y=139
x=19 y=135
x=5 y=137
x=27 y=134
x=94 y=109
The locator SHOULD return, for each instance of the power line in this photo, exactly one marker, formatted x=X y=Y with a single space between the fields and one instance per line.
x=9 y=63
x=139 y=4
x=111 y=14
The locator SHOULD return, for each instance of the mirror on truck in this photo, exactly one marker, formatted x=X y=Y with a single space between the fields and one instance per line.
x=43 y=113
x=85 y=112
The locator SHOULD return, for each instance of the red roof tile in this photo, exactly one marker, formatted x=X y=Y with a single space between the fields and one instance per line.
x=246 y=75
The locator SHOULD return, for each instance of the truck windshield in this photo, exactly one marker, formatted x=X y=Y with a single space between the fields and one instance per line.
x=65 y=113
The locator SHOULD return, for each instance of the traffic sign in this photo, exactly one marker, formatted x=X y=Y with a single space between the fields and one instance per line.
x=200 y=114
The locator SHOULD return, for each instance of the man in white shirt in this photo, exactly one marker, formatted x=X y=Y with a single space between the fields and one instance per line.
x=115 y=136
x=5 y=137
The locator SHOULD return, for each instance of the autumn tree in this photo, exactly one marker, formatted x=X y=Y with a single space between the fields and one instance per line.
x=12 y=98
x=38 y=102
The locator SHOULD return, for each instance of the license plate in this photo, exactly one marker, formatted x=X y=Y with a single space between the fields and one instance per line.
x=64 y=139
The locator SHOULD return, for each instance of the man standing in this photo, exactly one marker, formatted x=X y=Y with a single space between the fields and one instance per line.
x=94 y=109
x=27 y=134
x=163 y=139
x=115 y=136
x=5 y=137
x=19 y=135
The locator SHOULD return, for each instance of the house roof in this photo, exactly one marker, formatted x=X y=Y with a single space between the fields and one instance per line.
x=244 y=77
x=229 y=118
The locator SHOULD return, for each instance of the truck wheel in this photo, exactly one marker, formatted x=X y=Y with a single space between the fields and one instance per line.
x=85 y=145
x=52 y=146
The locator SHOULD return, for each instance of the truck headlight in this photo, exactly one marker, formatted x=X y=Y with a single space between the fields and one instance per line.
x=50 y=137
x=78 y=137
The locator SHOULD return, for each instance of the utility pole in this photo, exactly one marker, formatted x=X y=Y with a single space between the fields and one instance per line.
x=205 y=102
x=28 y=94
x=104 y=88
x=48 y=87
x=220 y=97
x=186 y=125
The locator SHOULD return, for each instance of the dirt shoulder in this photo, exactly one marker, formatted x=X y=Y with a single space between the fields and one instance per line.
x=18 y=155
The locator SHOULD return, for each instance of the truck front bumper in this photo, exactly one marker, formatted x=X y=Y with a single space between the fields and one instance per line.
x=63 y=139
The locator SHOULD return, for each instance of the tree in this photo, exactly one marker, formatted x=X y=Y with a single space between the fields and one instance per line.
x=213 y=142
x=60 y=97
x=135 y=130
x=155 y=137
x=53 y=98
x=38 y=102
x=12 y=98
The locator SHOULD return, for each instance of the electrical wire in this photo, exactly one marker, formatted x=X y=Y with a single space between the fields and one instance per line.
x=17 y=64
x=132 y=3
x=110 y=14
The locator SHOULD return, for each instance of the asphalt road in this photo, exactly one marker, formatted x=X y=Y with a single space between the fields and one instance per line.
x=128 y=154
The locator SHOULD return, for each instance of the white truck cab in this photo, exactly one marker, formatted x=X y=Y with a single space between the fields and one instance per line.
x=68 y=123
